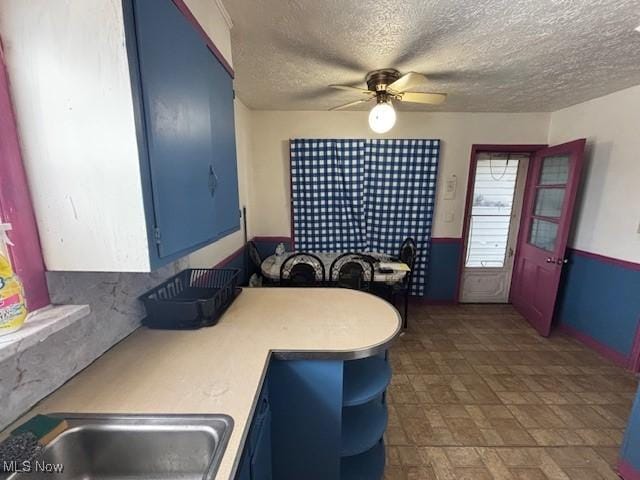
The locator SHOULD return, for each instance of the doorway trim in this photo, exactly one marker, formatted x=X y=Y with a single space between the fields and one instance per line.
x=475 y=150
x=634 y=360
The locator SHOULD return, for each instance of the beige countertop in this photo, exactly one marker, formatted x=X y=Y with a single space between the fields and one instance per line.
x=220 y=369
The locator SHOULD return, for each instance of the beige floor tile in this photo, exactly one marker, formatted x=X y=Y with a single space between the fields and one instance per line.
x=463 y=457
x=477 y=394
x=494 y=463
x=472 y=473
x=409 y=456
x=526 y=473
x=420 y=473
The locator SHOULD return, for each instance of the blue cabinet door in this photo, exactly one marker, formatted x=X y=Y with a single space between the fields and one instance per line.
x=630 y=451
x=226 y=204
x=178 y=91
x=261 y=456
x=244 y=469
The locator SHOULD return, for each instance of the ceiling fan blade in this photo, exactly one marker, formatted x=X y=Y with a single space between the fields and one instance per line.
x=419 y=97
x=350 y=104
x=352 y=89
x=407 y=82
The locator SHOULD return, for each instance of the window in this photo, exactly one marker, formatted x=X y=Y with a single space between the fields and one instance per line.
x=550 y=190
x=489 y=224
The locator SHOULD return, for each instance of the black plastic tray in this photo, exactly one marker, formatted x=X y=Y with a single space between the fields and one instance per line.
x=193 y=298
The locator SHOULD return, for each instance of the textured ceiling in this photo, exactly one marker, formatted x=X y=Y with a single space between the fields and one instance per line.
x=489 y=56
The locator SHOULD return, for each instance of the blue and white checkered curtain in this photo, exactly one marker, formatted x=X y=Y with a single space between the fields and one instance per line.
x=399 y=192
x=364 y=195
x=327 y=183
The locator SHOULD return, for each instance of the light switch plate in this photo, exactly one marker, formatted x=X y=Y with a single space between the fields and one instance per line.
x=450 y=187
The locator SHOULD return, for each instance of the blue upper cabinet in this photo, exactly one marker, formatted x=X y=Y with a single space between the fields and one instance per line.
x=186 y=122
x=225 y=173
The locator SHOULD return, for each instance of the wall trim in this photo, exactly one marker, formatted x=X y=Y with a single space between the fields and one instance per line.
x=446 y=239
x=604 y=350
x=272 y=239
x=603 y=258
x=225 y=14
x=186 y=11
x=228 y=259
x=435 y=302
x=628 y=471
x=634 y=359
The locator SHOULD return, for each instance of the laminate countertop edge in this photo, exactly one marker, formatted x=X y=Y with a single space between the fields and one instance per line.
x=309 y=355
x=221 y=369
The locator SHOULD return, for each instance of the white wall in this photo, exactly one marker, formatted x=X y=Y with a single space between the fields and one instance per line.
x=215 y=20
x=269 y=210
x=69 y=71
x=71 y=91
x=608 y=214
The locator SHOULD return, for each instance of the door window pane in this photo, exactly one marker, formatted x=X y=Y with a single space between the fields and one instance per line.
x=488 y=241
x=543 y=234
x=555 y=170
x=494 y=187
x=549 y=202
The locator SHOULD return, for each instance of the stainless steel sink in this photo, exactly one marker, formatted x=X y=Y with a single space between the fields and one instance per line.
x=110 y=447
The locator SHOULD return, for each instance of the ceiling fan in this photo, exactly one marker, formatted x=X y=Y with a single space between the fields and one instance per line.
x=385 y=86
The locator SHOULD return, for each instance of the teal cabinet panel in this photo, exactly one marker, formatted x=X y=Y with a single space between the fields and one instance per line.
x=261 y=468
x=175 y=67
x=366 y=466
x=184 y=110
x=363 y=426
x=630 y=451
x=365 y=379
x=244 y=469
x=306 y=403
x=226 y=202
x=319 y=420
x=255 y=462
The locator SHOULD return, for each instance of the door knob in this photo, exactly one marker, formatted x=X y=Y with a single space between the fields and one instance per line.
x=560 y=261
x=549 y=260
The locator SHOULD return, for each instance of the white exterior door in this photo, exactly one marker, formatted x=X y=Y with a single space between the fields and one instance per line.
x=492 y=227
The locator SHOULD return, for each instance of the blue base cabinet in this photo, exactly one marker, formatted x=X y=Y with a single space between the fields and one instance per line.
x=629 y=465
x=368 y=465
x=319 y=420
x=365 y=418
x=255 y=463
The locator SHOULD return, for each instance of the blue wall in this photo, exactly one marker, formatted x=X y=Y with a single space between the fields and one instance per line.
x=630 y=451
x=601 y=299
x=444 y=265
x=238 y=261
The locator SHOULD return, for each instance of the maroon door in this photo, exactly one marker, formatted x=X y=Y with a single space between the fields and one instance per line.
x=552 y=185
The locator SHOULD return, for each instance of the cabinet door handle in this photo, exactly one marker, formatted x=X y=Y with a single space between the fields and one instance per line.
x=213 y=181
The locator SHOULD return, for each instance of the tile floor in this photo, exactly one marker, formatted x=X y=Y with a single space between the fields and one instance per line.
x=476 y=394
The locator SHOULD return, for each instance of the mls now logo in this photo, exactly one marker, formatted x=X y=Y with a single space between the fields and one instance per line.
x=29 y=466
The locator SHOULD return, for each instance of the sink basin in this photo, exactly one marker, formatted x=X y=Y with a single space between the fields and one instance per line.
x=185 y=447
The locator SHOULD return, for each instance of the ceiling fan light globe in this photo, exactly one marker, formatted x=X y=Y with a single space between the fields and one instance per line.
x=382 y=117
